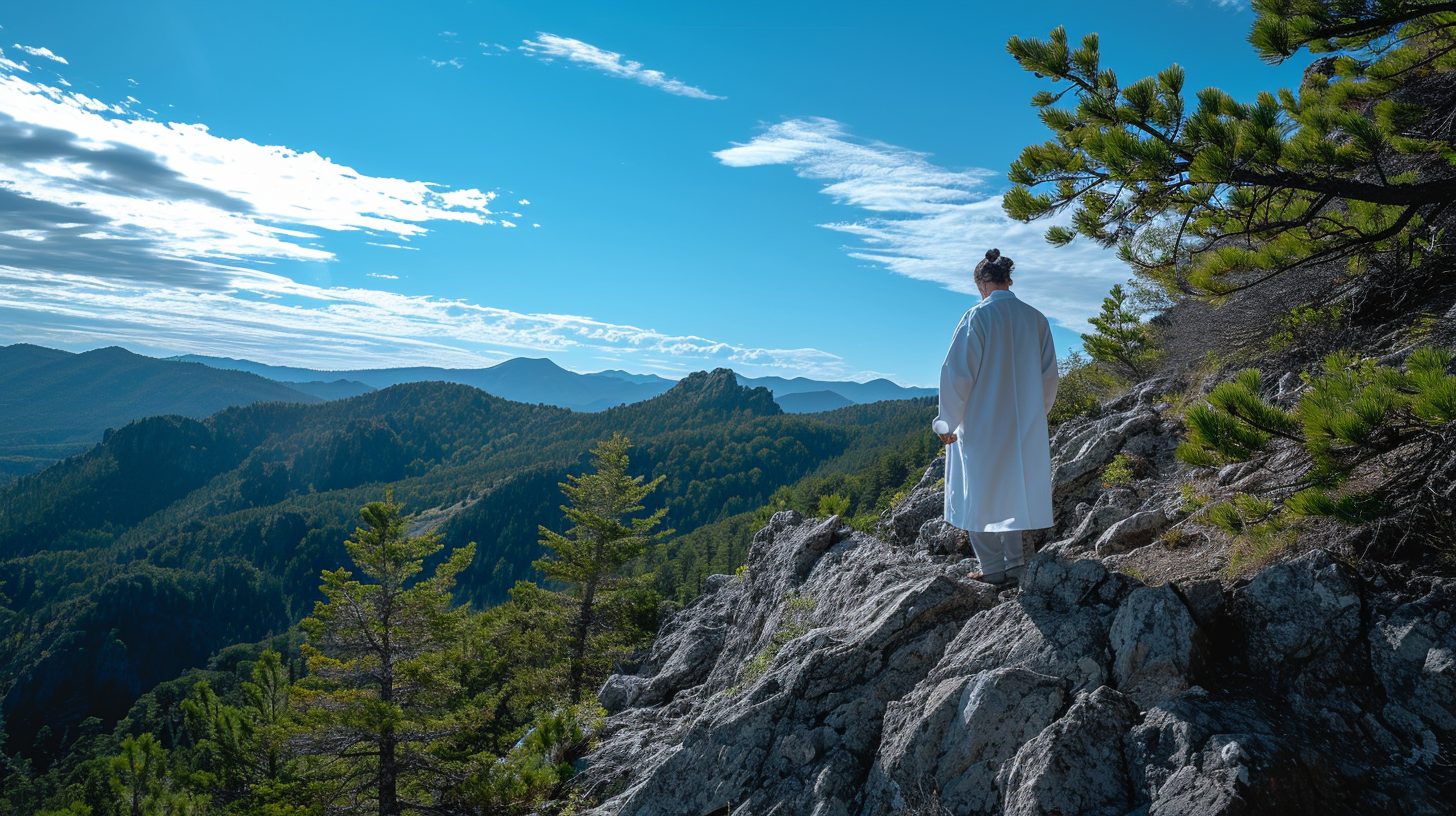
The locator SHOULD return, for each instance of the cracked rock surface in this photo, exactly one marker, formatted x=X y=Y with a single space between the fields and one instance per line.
x=848 y=674
x=845 y=675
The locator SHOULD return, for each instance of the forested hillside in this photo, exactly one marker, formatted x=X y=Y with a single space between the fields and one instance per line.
x=125 y=566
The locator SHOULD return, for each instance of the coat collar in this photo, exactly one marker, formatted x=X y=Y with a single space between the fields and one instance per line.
x=999 y=294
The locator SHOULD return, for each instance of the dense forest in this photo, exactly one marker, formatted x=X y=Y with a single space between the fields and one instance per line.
x=176 y=538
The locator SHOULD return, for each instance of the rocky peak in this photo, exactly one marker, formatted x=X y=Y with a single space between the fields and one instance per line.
x=844 y=673
x=713 y=394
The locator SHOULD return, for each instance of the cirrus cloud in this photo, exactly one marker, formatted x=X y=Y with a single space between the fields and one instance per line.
x=549 y=47
x=929 y=222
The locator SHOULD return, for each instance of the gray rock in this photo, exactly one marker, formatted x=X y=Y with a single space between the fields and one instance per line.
x=1076 y=764
x=1203 y=597
x=844 y=675
x=1155 y=644
x=1081 y=450
x=939 y=537
x=1413 y=652
x=1111 y=507
x=1137 y=530
x=953 y=735
x=1302 y=622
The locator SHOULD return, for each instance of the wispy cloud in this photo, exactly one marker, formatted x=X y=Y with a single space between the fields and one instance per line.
x=453 y=62
x=931 y=223
x=274 y=319
x=121 y=229
x=548 y=47
x=42 y=52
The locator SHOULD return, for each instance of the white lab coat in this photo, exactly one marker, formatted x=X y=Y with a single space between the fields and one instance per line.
x=996 y=387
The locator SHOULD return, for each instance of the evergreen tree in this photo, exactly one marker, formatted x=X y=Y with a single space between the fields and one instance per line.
x=589 y=558
x=1121 y=338
x=1227 y=195
x=247 y=746
x=144 y=785
x=379 y=660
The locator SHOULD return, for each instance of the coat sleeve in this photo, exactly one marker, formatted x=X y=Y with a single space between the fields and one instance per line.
x=957 y=377
x=1049 y=377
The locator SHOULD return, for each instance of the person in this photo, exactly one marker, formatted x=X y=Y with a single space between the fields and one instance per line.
x=996 y=388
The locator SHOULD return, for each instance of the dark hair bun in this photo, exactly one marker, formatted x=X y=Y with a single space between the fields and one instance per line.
x=993 y=255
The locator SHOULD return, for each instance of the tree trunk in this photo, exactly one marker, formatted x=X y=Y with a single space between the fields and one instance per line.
x=388 y=775
x=578 y=643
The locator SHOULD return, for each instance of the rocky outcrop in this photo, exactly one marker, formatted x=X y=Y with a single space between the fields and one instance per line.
x=846 y=675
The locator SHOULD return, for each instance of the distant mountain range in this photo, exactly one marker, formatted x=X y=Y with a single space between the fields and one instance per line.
x=55 y=404
x=538 y=380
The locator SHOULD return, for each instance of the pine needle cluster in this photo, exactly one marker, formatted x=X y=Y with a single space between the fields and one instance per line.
x=1371 y=435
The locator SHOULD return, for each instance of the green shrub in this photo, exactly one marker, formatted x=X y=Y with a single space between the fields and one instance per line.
x=1120 y=472
x=1389 y=426
x=1084 y=385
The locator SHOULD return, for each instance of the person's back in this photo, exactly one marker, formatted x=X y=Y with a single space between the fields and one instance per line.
x=997 y=385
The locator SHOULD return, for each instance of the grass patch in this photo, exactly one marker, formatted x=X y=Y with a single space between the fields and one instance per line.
x=793 y=622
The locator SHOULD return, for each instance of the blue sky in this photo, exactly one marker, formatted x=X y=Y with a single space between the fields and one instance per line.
x=781 y=188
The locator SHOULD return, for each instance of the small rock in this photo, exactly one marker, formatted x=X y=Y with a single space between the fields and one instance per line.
x=1137 y=530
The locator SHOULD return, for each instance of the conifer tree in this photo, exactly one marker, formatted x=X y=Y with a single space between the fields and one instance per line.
x=590 y=555
x=143 y=782
x=1210 y=196
x=378 y=655
x=1121 y=338
x=247 y=746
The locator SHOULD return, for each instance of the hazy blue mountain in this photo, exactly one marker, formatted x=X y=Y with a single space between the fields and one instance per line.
x=522 y=379
x=812 y=402
x=55 y=403
x=634 y=378
x=540 y=381
x=338 y=389
x=855 y=392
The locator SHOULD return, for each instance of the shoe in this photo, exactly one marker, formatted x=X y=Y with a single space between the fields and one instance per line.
x=994 y=580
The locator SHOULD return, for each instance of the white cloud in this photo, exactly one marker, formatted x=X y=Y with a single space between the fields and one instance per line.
x=453 y=62
x=121 y=229
x=42 y=52
x=382 y=275
x=932 y=223
x=523 y=202
x=273 y=319
x=547 y=47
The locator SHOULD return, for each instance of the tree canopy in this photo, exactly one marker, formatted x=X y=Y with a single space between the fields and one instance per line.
x=1209 y=196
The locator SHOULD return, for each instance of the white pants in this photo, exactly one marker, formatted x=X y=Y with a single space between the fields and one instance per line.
x=999 y=553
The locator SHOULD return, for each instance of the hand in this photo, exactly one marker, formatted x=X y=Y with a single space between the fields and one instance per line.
x=947 y=439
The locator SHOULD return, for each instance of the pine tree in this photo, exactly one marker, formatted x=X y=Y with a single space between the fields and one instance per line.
x=1121 y=338
x=247 y=746
x=589 y=558
x=379 y=659
x=144 y=784
x=1213 y=196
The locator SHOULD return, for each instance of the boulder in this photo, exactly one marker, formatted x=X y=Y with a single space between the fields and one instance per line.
x=1155 y=644
x=845 y=675
x=1076 y=764
x=1137 y=530
x=952 y=736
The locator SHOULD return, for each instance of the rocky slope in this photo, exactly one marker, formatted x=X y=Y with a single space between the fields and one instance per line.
x=849 y=674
